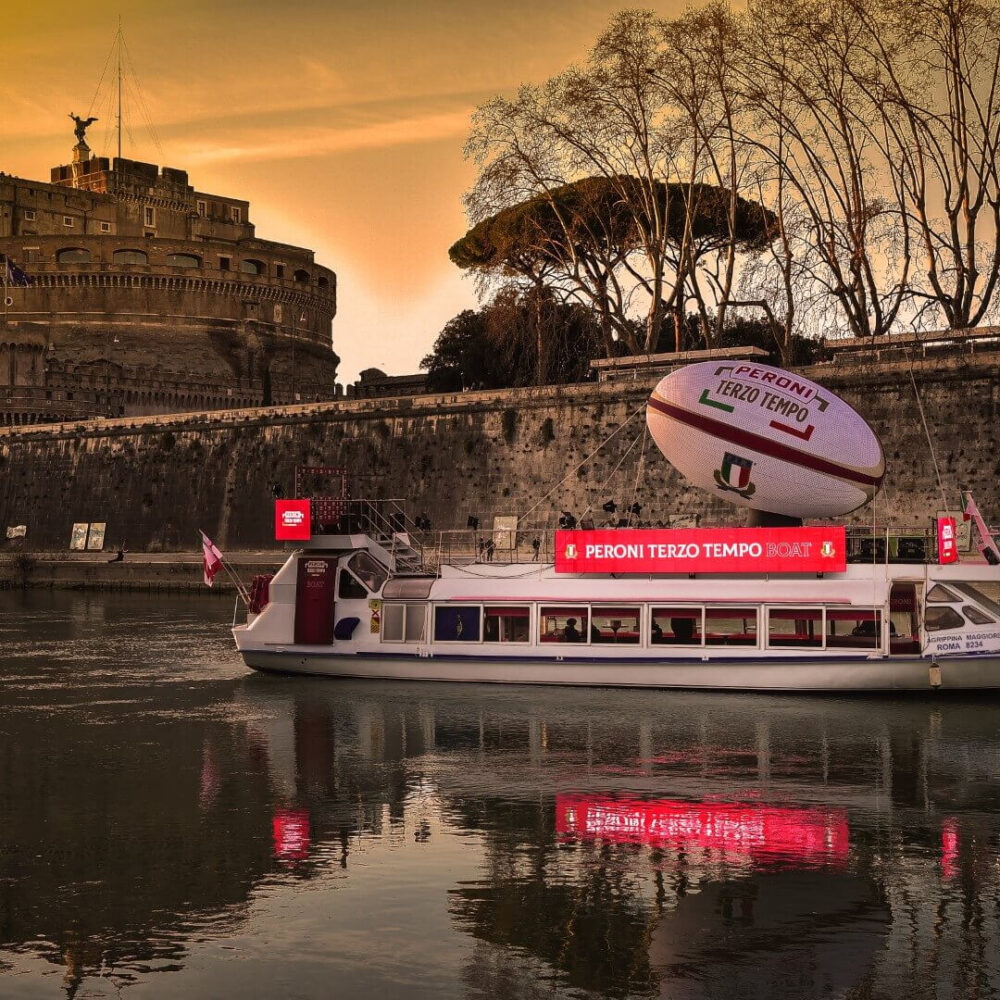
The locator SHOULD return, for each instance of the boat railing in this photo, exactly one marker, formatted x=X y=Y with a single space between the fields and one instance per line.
x=384 y=520
x=882 y=544
x=891 y=544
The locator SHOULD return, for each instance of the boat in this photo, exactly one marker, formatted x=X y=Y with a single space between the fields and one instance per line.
x=361 y=603
x=776 y=606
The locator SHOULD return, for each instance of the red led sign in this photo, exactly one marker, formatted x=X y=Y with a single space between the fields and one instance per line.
x=947 y=540
x=292 y=521
x=702 y=550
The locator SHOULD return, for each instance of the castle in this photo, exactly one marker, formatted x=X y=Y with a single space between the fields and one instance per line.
x=147 y=296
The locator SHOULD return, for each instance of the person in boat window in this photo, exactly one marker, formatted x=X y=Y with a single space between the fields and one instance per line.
x=657 y=633
x=595 y=633
x=571 y=633
x=683 y=629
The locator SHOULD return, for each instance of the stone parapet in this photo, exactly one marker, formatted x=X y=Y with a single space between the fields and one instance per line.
x=155 y=479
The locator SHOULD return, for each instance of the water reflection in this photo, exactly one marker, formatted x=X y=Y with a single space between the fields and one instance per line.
x=159 y=805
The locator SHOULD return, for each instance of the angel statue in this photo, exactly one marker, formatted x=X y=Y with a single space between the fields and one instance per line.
x=82 y=124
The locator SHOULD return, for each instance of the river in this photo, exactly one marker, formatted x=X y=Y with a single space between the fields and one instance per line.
x=173 y=825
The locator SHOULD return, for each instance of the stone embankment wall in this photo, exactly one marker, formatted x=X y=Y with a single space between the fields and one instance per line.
x=533 y=452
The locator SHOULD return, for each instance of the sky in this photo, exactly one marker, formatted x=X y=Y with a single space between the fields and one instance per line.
x=341 y=121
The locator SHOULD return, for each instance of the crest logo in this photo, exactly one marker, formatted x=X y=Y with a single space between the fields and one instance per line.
x=826 y=550
x=734 y=476
x=571 y=552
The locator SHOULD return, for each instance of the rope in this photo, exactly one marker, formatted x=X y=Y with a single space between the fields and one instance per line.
x=638 y=474
x=611 y=474
x=616 y=431
x=927 y=434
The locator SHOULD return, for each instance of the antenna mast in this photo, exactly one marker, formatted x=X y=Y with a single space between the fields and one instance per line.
x=119 y=43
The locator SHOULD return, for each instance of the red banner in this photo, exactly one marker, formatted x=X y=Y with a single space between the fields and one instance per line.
x=292 y=521
x=702 y=550
x=947 y=540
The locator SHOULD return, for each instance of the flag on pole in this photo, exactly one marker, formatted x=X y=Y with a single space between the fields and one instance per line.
x=15 y=276
x=211 y=559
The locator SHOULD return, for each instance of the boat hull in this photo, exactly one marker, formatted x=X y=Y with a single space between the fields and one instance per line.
x=745 y=674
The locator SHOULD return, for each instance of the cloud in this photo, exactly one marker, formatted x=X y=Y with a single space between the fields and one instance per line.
x=292 y=143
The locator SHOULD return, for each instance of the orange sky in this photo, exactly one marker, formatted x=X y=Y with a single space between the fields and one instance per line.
x=342 y=121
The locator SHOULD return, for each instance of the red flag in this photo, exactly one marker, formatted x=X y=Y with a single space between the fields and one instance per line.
x=211 y=559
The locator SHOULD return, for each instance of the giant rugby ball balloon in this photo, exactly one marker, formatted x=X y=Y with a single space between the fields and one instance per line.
x=764 y=438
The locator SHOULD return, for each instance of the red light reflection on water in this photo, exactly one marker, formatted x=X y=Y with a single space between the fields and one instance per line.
x=291 y=834
x=755 y=831
x=949 y=848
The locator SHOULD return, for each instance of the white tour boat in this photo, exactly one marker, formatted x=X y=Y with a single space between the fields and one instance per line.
x=341 y=607
x=772 y=608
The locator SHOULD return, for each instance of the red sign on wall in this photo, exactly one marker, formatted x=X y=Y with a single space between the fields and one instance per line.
x=947 y=540
x=292 y=521
x=702 y=550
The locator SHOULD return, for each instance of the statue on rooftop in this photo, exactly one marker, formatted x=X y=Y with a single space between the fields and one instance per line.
x=82 y=124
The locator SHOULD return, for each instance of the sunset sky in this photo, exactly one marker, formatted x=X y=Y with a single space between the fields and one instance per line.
x=341 y=121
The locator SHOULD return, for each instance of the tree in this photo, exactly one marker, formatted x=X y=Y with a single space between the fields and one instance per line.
x=494 y=347
x=573 y=240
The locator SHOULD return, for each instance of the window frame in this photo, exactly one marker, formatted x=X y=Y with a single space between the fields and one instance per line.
x=790 y=609
x=406 y=606
x=526 y=605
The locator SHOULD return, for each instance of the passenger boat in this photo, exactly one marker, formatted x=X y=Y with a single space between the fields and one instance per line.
x=848 y=613
x=766 y=608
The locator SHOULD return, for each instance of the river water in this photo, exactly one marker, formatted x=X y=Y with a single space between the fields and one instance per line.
x=173 y=825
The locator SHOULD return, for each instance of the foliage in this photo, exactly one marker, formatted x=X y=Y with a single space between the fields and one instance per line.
x=864 y=133
x=495 y=347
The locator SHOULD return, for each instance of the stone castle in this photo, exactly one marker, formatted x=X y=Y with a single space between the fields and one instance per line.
x=148 y=296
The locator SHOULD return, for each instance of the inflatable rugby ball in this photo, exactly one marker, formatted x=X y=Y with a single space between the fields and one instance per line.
x=765 y=438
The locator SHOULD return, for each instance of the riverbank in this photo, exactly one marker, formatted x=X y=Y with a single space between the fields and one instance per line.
x=162 y=571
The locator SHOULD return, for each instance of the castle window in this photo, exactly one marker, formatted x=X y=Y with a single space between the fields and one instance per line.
x=130 y=257
x=148 y=215
x=252 y=267
x=182 y=260
x=68 y=221
x=302 y=277
x=202 y=208
x=73 y=255
x=29 y=214
x=323 y=282
x=279 y=270
x=105 y=227
x=223 y=263
x=236 y=213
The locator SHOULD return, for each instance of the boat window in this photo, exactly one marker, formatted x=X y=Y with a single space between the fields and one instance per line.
x=680 y=626
x=795 y=627
x=403 y=622
x=456 y=623
x=976 y=616
x=730 y=626
x=941 y=595
x=368 y=570
x=986 y=594
x=942 y=619
x=392 y=622
x=563 y=624
x=506 y=624
x=853 y=628
x=416 y=622
x=350 y=589
x=613 y=624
